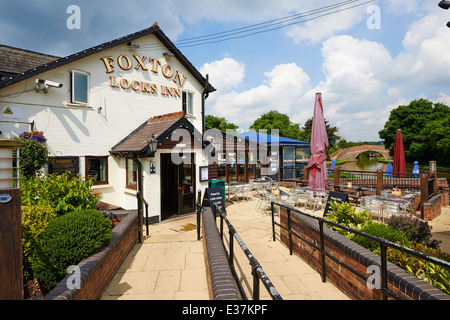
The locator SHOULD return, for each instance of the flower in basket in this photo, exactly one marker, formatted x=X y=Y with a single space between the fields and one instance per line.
x=34 y=135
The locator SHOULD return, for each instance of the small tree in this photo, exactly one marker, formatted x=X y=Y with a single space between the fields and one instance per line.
x=33 y=153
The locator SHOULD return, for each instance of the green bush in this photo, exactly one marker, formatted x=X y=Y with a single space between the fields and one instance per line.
x=33 y=153
x=438 y=277
x=68 y=240
x=63 y=193
x=416 y=230
x=380 y=231
x=346 y=215
x=35 y=220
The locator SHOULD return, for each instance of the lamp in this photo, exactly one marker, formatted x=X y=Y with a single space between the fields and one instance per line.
x=153 y=144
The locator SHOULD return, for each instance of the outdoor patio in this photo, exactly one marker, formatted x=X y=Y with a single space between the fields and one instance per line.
x=170 y=263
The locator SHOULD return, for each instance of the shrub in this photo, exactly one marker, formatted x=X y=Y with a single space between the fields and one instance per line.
x=33 y=153
x=437 y=276
x=345 y=214
x=380 y=231
x=68 y=240
x=416 y=230
x=63 y=193
x=34 y=222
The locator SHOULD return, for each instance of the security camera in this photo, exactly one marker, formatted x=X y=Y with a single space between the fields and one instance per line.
x=43 y=85
x=53 y=84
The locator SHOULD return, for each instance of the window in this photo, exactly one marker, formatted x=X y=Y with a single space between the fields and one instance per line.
x=97 y=168
x=188 y=106
x=79 y=87
x=131 y=174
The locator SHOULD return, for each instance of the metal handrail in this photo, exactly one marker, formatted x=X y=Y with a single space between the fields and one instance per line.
x=384 y=244
x=140 y=197
x=257 y=271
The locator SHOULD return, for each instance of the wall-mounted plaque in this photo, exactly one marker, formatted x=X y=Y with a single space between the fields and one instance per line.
x=60 y=165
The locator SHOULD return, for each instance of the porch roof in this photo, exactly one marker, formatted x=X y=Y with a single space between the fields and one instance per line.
x=161 y=127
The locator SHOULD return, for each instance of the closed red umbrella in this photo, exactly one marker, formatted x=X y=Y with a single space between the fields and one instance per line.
x=399 y=155
x=319 y=143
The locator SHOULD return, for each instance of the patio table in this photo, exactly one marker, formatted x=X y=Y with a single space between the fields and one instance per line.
x=386 y=201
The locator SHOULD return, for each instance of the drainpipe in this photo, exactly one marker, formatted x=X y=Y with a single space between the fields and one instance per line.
x=205 y=95
x=139 y=196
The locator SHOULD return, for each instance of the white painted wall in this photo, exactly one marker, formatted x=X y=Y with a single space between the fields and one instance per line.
x=90 y=131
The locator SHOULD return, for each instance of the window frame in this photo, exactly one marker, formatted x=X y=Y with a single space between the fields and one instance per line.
x=72 y=87
x=186 y=102
x=86 y=162
x=127 y=184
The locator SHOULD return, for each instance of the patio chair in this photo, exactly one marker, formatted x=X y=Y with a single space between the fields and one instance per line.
x=409 y=207
x=292 y=200
x=262 y=196
x=266 y=199
x=371 y=206
x=312 y=200
x=247 y=190
x=391 y=208
x=234 y=191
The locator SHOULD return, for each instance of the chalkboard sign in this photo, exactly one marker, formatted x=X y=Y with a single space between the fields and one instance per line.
x=339 y=197
x=212 y=197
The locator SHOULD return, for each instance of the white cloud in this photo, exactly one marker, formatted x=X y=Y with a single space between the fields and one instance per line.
x=224 y=74
x=283 y=86
x=322 y=26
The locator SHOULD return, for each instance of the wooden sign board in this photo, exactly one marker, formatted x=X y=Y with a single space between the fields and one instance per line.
x=212 y=197
x=339 y=197
x=60 y=165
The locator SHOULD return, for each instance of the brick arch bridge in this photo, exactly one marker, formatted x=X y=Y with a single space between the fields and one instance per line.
x=354 y=152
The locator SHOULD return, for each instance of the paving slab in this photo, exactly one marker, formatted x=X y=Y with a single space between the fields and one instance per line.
x=170 y=263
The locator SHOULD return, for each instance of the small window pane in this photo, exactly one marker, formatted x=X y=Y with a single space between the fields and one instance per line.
x=80 y=87
x=188 y=100
x=131 y=174
x=97 y=169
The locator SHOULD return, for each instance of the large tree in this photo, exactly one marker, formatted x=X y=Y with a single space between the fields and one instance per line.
x=220 y=123
x=279 y=121
x=333 y=138
x=425 y=130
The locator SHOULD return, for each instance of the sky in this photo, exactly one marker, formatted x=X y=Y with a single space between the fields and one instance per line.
x=365 y=57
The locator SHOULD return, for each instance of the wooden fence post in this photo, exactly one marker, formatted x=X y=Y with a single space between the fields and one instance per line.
x=423 y=192
x=379 y=182
x=11 y=273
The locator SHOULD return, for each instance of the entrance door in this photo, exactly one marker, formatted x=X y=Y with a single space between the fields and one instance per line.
x=186 y=185
x=177 y=187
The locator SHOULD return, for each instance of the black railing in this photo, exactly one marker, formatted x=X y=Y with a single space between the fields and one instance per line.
x=384 y=244
x=403 y=181
x=257 y=271
x=360 y=178
x=141 y=201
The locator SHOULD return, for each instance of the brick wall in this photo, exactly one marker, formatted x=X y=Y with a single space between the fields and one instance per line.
x=432 y=208
x=98 y=270
x=220 y=279
x=399 y=281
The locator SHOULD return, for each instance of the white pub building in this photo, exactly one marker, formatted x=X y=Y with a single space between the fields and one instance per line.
x=101 y=108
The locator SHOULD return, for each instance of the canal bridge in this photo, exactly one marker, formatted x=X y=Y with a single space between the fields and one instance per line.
x=354 y=152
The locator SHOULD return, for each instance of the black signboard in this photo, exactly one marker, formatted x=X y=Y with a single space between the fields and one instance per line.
x=60 y=165
x=212 y=197
x=339 y=197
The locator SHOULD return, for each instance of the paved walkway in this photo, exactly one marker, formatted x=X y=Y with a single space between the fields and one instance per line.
x=169 y=264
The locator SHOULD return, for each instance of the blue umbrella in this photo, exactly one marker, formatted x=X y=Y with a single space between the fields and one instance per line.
x=416 y=169
x=389 y=170
x=333 y=164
